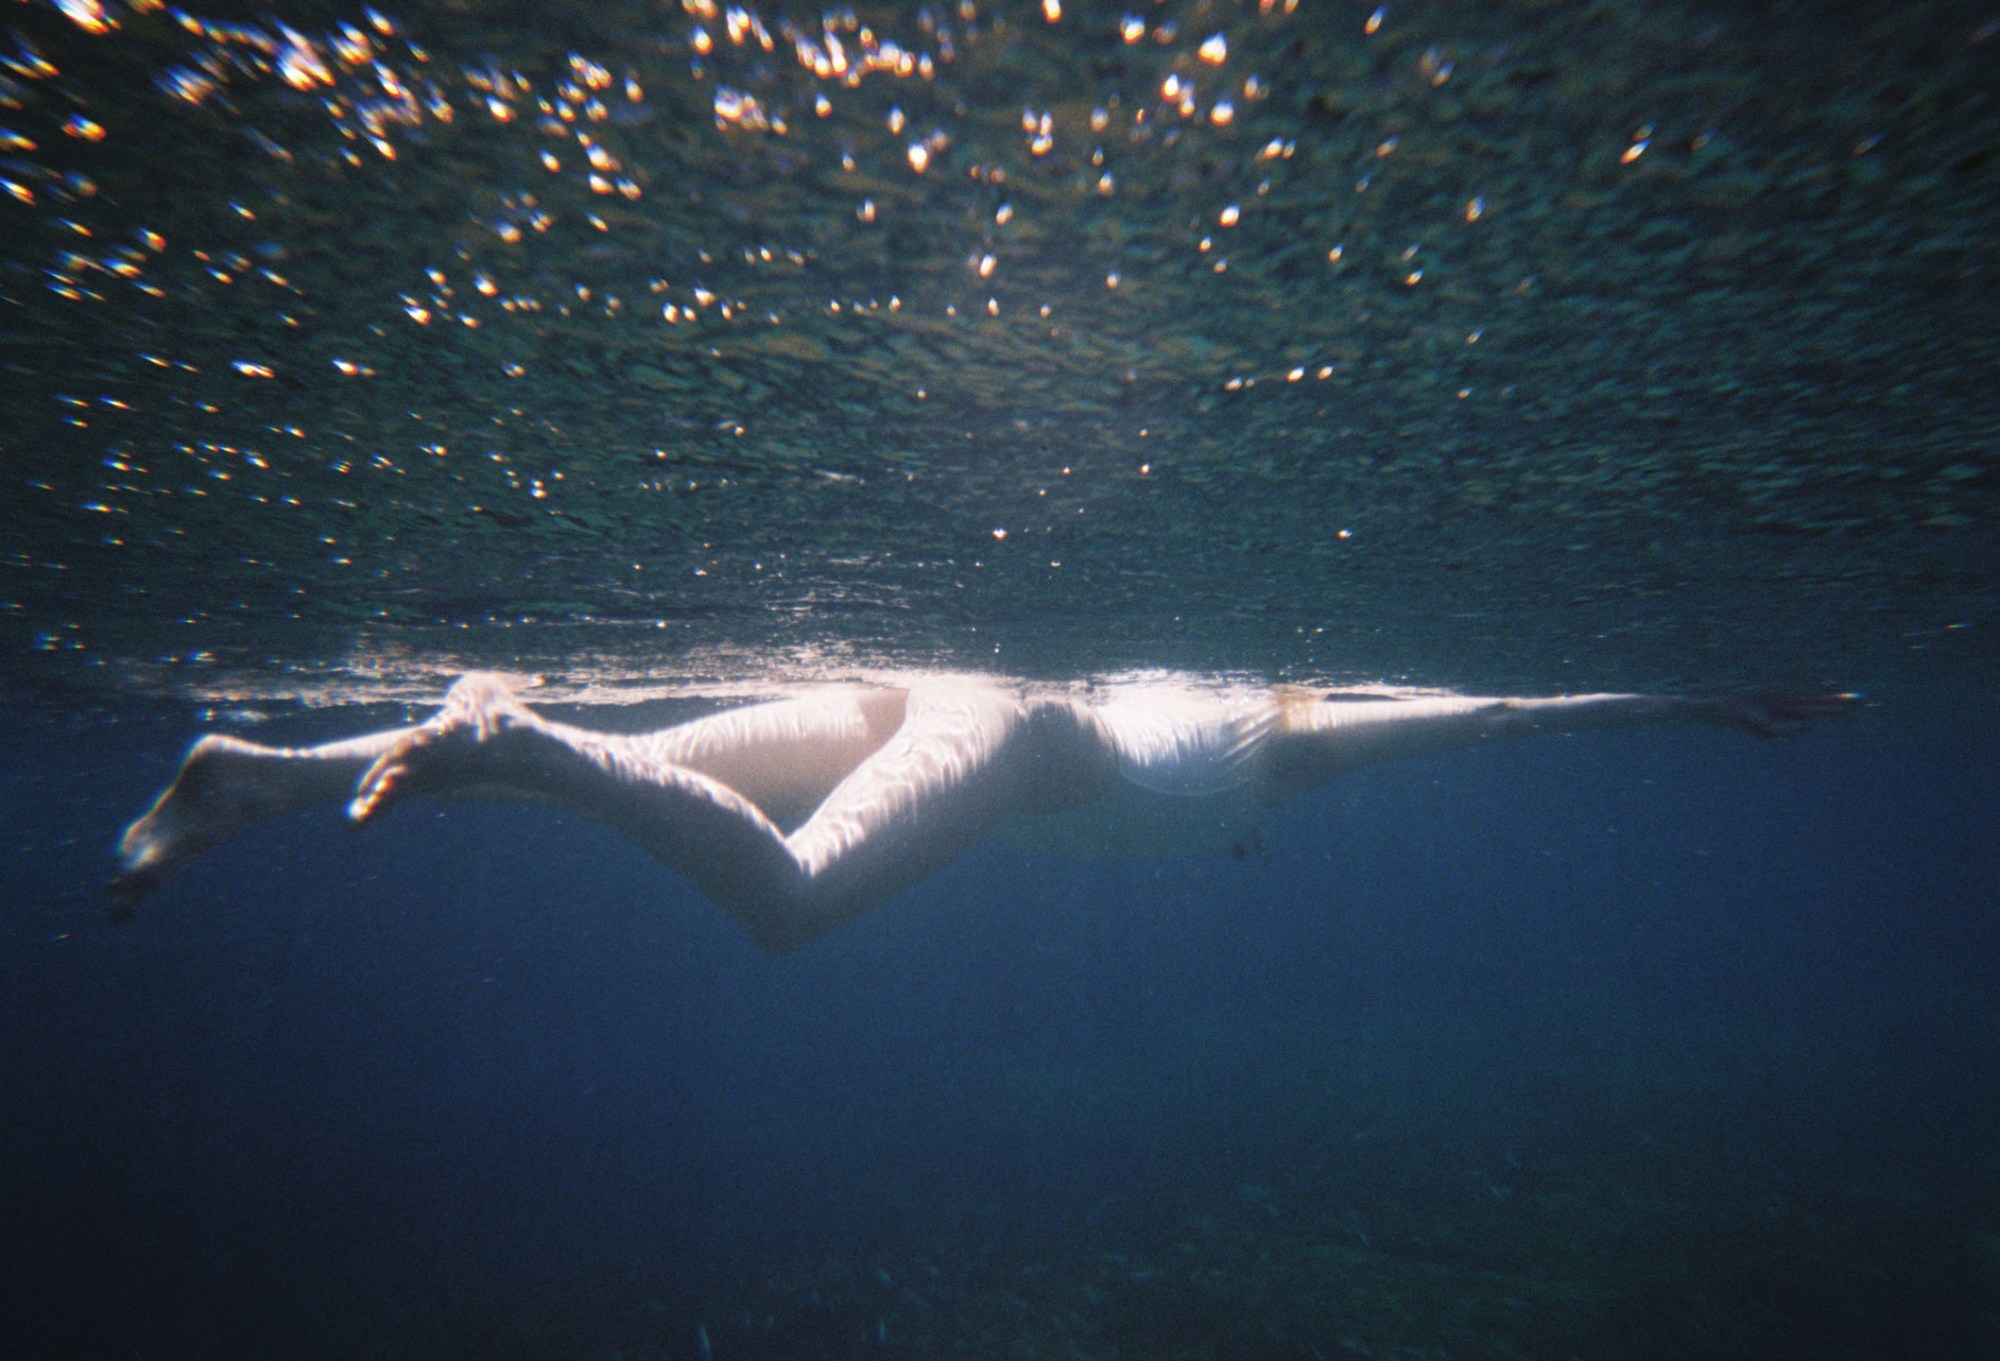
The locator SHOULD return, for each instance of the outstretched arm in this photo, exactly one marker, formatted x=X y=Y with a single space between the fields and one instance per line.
x=1316 y=737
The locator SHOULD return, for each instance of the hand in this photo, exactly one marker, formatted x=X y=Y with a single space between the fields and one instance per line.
x=442 y=752
x=1779 y=715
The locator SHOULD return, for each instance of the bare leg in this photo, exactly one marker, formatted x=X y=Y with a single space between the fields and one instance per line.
x=790 y=753
x=965 y=754
x=223 y=786
x=962 y=754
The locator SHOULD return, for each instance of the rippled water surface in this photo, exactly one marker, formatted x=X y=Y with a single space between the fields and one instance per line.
x=1525 y=346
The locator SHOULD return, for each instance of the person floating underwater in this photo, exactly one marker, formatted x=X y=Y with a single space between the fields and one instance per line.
x=798 y=814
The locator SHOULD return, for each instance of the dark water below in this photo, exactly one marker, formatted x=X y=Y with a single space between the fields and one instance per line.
x=1520 y=348
x=1621 y=1046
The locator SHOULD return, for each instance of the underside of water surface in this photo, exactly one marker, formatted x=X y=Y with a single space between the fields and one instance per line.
x=1548 y=346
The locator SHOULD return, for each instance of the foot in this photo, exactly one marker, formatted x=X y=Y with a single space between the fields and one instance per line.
x=436 y=755
x=215 y=792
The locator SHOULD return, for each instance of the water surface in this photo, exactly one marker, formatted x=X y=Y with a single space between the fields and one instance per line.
x=1541 y=346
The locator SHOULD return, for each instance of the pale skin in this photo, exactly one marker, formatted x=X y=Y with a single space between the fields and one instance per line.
x=799 y=814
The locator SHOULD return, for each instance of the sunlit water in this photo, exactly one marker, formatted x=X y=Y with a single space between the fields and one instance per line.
x=1547 y=347
x=662 y=352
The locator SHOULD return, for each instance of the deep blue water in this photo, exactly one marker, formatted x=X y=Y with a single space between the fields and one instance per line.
x=1674 y=1043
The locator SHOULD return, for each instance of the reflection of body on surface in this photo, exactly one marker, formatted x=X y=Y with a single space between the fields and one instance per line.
x=798 y=814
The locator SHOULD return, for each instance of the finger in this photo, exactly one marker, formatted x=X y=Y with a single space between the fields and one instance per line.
x=377 y=789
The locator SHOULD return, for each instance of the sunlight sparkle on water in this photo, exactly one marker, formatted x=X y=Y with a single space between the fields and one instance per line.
x=766 y=241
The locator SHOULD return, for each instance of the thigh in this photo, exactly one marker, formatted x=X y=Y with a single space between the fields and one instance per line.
x=788 y=755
